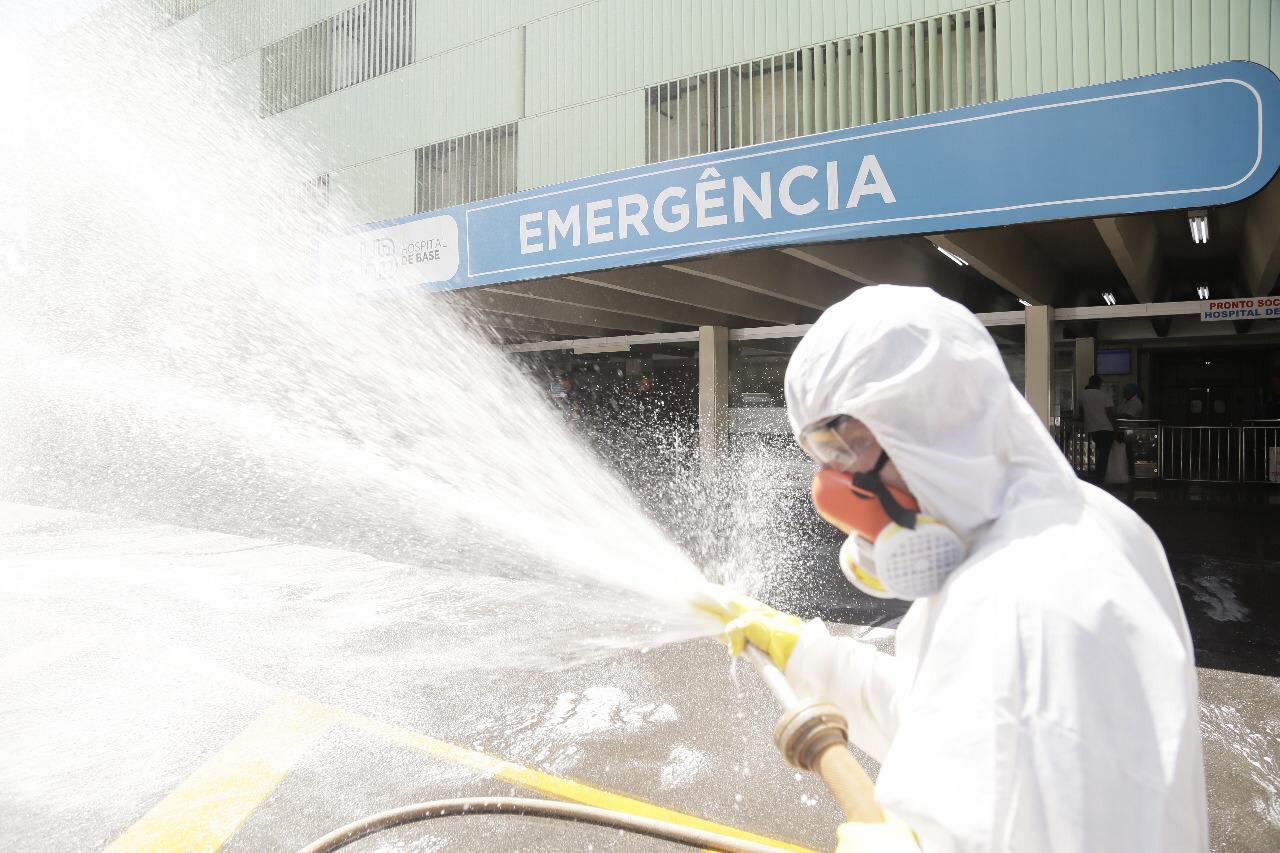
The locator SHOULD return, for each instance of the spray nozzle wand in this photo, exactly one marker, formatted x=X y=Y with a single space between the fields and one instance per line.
x=812 y=734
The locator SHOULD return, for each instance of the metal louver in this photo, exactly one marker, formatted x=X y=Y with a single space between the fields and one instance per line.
x=915 y=68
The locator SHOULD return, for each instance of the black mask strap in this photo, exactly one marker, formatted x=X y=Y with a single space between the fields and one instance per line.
x=871 y=482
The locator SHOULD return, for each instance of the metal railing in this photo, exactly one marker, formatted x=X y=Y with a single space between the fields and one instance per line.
x=1260 y=452
x=1075 y=445
x=1142 y=439
x=1203 y=454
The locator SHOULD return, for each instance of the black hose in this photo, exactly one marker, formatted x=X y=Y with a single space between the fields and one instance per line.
x=527 y=807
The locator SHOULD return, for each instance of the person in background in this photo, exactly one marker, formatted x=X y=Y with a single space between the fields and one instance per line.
x=1100 y=422
x=1271 y=399
x=1130 y=408
x=573 y=399
x=1131 y=405
x=645 y=404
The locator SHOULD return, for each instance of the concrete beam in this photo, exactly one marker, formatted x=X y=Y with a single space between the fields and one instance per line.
x=533 y=326
x=772 y=274
x=781 y=346
x=1007 y=257
x=900 y=261
x=1135 y=246
x=522 y=306
x=608 y=299
x=1260 y=246
x=668 y=284
x=661 y=349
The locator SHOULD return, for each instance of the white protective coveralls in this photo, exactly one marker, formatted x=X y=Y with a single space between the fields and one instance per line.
x=1045 y=699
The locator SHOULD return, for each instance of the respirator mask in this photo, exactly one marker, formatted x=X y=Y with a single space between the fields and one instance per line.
x=893 y=551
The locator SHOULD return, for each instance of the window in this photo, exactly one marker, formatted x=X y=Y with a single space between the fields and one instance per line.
x=1113 y=362
x=935 y=64
x=167 y=12
x=313 y=195
x=371 y=39
x=353 y=46
x=466 y=168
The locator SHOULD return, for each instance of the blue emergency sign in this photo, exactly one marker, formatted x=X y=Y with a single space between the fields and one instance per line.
x=1195 y=138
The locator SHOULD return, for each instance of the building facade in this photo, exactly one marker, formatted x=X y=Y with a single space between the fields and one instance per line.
x=418 y=106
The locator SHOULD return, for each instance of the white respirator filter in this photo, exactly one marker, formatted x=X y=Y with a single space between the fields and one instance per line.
x=916 y=563
x=903 y=563
x=859 y=566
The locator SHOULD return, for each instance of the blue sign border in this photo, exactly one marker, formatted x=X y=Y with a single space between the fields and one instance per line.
x=1028 y=156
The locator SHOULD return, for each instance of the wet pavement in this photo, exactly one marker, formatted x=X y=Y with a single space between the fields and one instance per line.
x=163 y=705
x=1223 y=543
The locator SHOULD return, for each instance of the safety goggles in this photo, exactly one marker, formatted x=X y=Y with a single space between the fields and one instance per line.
x=829 y=444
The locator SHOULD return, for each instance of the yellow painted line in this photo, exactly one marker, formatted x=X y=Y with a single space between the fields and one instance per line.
x=38 y=656
x=555 y=786
x=204 y=811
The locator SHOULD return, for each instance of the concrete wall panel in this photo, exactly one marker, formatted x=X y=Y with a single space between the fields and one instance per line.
x=405 y=109
x=247 y=73
x=601 y=49
x=378 y=189
x=573 y=72
x=584 y=140
x=236 y=28
x=1047 y=45
x=444 y=25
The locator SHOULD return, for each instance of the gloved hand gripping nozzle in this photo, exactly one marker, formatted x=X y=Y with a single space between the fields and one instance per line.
x=749 y=621
x=811 y=734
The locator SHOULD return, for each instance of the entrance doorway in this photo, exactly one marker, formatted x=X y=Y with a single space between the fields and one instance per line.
x=1211 y=387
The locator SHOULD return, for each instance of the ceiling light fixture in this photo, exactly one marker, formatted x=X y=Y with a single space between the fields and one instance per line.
x=1199 y=220
x=1108 y=297
x=1203 y=291
x=953 y=256
x=1025 y=303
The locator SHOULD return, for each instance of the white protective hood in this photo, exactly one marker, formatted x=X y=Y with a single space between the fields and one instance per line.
x=965 y=441
x=1045 y=698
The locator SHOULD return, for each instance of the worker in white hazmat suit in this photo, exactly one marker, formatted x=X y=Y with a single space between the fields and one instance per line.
x=1043 y=692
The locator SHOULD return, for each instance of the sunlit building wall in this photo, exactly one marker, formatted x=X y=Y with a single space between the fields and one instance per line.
x=419 y=104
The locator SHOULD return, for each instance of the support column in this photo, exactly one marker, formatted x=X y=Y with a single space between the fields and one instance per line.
x=1039 y=340
x=713 y=396
x=1086 y=362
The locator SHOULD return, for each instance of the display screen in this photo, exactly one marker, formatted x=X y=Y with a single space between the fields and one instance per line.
x=1112 y=362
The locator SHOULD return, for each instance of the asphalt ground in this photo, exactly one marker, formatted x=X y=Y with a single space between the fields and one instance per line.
x=157 y=693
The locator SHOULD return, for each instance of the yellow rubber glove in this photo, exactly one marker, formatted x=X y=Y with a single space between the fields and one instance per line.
x=888 y=836
x=750 y=621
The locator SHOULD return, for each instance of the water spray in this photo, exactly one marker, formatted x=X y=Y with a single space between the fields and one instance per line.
x=813 y=735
